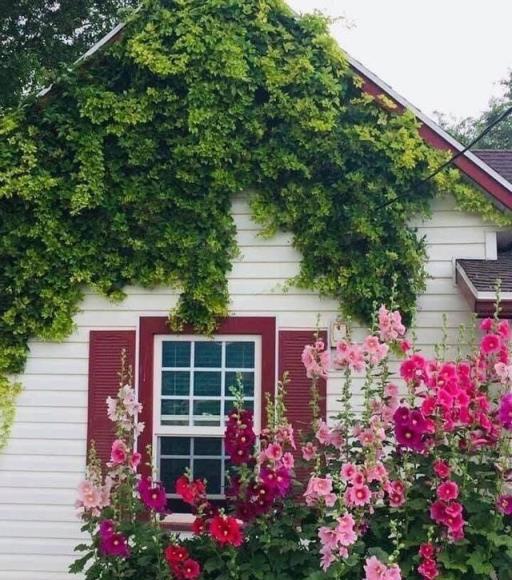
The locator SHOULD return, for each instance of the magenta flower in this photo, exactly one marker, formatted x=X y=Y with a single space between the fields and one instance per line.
x=119 y=452
x=490 y=344
x=409 y=437
x=505 y=411
x=107 y=528
x=115 y=545
x=152 y=494
x=401 y=416
x=504 y=504
x=448 y=491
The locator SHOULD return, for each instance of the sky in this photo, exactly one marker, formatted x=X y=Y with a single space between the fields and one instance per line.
x=441 y=55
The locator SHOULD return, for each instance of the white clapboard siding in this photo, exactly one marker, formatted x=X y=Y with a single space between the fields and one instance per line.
x=45 y=458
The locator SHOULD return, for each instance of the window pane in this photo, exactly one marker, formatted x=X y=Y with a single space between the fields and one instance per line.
x=209 y=469
x=178 y=408
x=208 y=354
x=247 y=383
x=175 y=353
x=171 y=470
x=207 y=384
x=207 y=446
x=175 y=445
x=207 y=413
x=240 y=355
x=176 y=383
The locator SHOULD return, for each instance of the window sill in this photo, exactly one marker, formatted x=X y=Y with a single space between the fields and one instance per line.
x=181 y=523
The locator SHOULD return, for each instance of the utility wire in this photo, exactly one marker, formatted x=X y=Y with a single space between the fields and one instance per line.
x=489 y=128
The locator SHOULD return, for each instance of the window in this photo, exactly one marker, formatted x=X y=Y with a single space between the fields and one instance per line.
x=192 y=397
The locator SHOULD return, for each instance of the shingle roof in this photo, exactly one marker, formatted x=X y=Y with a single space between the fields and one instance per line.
x=499 y=160
x=484 y=273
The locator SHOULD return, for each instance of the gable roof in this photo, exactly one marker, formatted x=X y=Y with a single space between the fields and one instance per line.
x=478 y=170
x=499 y=160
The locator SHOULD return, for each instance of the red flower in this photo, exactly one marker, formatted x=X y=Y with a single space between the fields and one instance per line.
x=191 y=492
x=226 y=530
x=199 y=526
x=190 y=569
x=175 y=554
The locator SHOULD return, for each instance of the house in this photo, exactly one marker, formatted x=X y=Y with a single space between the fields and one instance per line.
x=66 y=384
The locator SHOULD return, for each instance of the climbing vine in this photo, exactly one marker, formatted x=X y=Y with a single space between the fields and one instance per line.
x=123 y=173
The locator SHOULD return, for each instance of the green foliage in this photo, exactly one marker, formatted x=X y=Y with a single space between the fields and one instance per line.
x=124 y=173
x=8 y=393
x=38 y=36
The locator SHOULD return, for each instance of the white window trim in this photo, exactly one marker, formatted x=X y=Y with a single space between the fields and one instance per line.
x=197 y=430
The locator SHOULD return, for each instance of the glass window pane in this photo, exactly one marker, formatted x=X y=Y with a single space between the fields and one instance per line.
x=174 y=412
x=207 y=446
x=176 y=383
x=175 y=353
x=171 y=470
x=207 y=413
x=207 y=384
x=247 y=383
x=208 y=354
x=209 y=469
x=175 y=445
x=240 y=355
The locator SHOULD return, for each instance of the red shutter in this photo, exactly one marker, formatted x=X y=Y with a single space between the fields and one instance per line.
x=105 y=347
x=298 y=396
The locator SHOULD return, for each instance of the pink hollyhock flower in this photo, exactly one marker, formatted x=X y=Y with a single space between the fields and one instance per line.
x=322 y=485
x=414 y=368
x=504 y=504
x=367 y=437
x=374 y=349
x=448 y=491
x=396 y=493
x=328 y=538
x=358 y=495
x=503 y=371
x=505 y=411
x=391 y=390
x=89 y=495
x=428 y=569
x=323 y=433
x=119 y=452
x=486 y=324
x=490 y=344
x=330 y=499
x=348 y=471
x=342 y=350
x=504 y=329
x=427 y=550
x=308 y=451
x=405 y=346
x=288 y=460
x=274 y=452
x=453 y=509
x=327 y=559
x=438 y=511
x=345 y=530
x=135 y=460
x=336 y=438
x=377 y=473
x=376 y=570
x=115 y=545
x=152 y=494
x=441 y=469
x=315 y=361
x=355 y=358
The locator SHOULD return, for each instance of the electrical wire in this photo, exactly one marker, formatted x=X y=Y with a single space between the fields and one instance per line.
x=480 y=136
